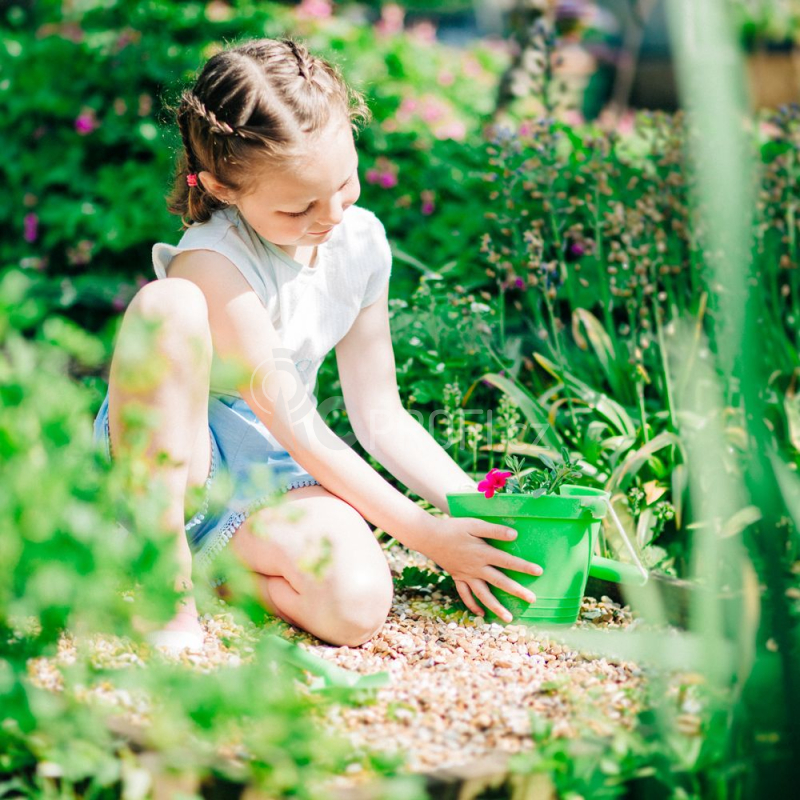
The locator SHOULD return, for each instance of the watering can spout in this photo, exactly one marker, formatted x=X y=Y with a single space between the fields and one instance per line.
x=607 y=569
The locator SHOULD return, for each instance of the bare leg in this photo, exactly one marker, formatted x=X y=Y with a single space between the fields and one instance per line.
x=346 y=598
x=171 y=378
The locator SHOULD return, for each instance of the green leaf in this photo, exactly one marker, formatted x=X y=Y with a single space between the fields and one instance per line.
x=604 y=405
x=529 y=406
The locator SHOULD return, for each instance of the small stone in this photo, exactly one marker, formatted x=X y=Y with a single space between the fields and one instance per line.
x=482 y=721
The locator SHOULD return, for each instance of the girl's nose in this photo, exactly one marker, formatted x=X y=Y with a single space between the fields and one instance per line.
x=332 y=213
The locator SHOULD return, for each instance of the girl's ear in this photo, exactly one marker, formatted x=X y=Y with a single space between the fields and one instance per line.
x=213 y=186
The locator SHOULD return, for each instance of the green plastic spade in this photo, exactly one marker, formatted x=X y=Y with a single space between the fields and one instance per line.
x=333 y=677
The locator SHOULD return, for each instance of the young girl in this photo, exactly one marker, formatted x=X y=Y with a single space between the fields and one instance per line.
x=276 y=267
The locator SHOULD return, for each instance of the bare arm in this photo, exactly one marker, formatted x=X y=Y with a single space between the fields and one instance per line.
x=383 y=427
x=401 y=443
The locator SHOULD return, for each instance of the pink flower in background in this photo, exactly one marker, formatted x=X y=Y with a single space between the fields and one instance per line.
x=494 y=480
x=407 y=108
x=384 y=173
x=119 y=302
x=86 y=123
x=572 y=116
x=31 y=224
x=391 y=21
x=445 y=78
x=436 y=112
x=455 y=129
x=317 y=9
x=428 y=205
x=424 y=31
x=82 y=253
x=472 y=67
x=145 y=104
x=432 y=109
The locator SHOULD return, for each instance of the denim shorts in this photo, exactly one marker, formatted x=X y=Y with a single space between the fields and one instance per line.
x=257 y=469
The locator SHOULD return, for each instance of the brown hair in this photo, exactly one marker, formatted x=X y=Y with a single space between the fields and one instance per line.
x=255 y=101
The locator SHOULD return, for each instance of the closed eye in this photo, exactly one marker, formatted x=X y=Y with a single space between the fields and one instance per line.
x=311 y=205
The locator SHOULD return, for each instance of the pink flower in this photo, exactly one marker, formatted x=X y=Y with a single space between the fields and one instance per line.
x=391 y=21
x=428 y=205
x=86 y=123
x=31 y=223
x=432 y=110
x=384 y=173
x=424 y=32
x=320 y=9
x=573 y=117
x=494 y=480
x=451 y=130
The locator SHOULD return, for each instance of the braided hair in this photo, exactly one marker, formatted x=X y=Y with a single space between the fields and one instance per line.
x=254 y=103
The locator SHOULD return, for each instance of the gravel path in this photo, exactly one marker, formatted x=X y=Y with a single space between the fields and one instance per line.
x=460 y=688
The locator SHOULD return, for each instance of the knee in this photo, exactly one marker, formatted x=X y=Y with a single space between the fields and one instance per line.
x=357 y=607
x=178 y=304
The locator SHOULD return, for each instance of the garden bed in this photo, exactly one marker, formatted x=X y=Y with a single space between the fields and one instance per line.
x=462 y=692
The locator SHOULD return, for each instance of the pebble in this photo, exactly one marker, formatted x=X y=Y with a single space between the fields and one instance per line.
x=460 y=687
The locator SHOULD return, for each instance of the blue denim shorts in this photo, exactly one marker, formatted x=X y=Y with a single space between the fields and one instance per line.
x=258 y=468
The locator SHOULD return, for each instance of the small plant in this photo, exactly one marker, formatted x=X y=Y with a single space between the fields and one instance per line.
x=530 y=481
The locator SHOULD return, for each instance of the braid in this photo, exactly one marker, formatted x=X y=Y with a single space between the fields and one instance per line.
x=215 y=125
x=251 y=107
x=183 y=127
x=305 y=65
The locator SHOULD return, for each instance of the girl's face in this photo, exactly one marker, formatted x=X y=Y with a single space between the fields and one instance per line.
x=300 y=204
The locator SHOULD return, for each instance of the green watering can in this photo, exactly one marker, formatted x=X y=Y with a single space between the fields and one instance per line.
x=557 y=532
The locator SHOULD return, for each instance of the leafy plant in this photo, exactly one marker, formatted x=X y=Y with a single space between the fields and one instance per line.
x=537 y=482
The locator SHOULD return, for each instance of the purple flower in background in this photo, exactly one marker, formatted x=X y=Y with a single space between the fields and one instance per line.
x=86 y=123
x=384 y=173
x=31 y=224
x=428 y=206
x=574 y=251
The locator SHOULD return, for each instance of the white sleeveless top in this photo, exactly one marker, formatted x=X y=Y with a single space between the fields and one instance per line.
x=312 y=308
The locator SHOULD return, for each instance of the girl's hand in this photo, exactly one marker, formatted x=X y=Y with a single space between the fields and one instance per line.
x=457 y=546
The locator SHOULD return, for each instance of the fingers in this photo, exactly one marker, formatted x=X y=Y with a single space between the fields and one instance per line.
x=466 y=597
x=507 y=561
x=501 y=581
x=491 y=530
x=483 y=594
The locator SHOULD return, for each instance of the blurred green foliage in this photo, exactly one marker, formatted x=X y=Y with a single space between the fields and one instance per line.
x=543 y=277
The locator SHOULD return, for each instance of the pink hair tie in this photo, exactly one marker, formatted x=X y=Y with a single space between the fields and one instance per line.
x=191 y=179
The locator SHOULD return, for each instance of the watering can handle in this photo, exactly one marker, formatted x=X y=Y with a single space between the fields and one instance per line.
x=610 y=570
